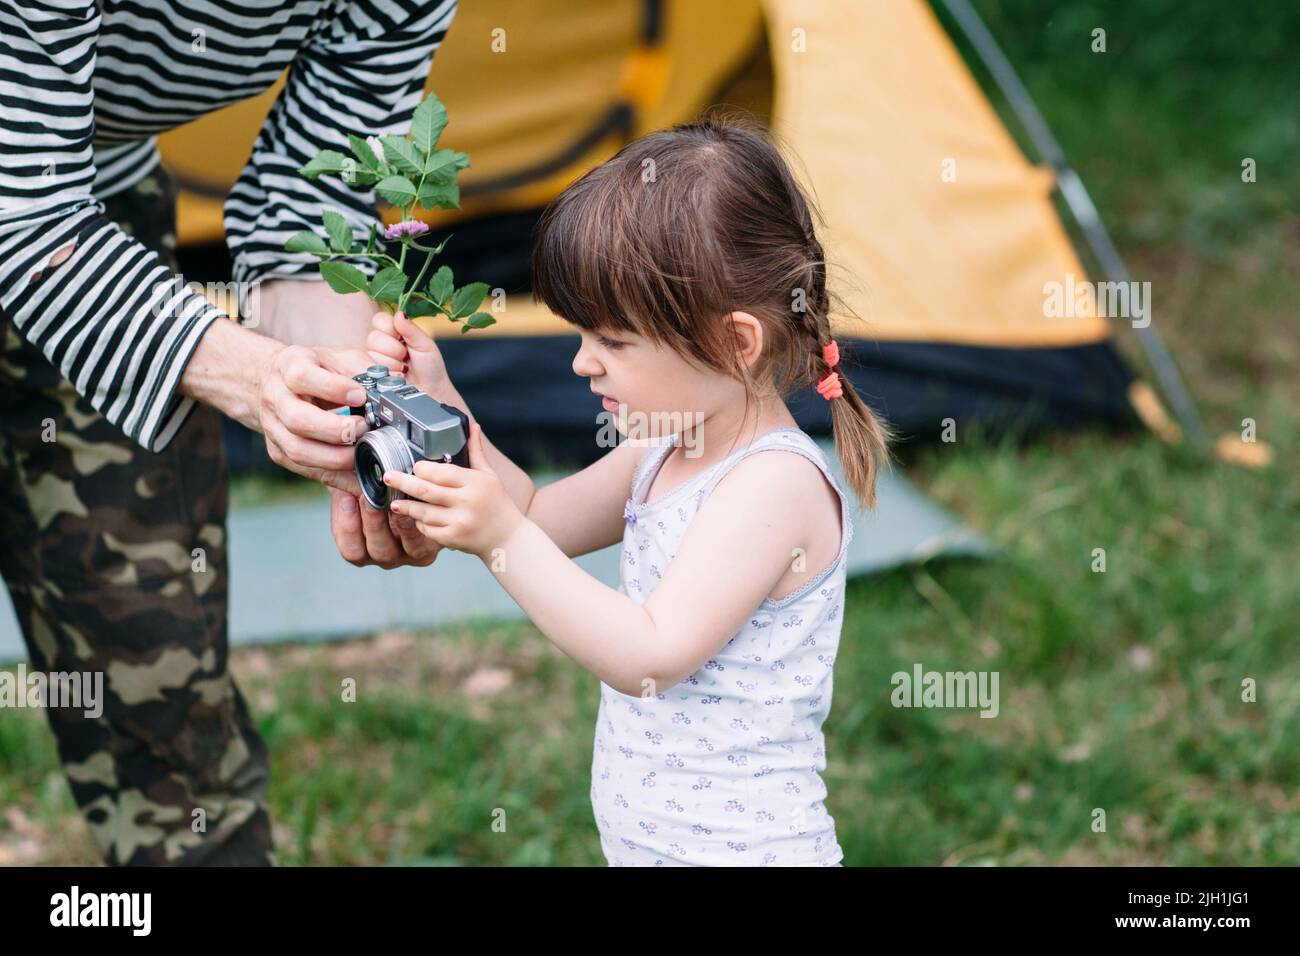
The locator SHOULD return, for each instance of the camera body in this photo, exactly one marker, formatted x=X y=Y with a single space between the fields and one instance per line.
x=406 y=426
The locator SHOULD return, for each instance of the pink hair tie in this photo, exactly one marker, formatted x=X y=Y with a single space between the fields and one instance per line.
x=830 y=386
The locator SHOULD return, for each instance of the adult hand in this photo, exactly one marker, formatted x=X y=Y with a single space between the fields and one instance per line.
x=283 y=392
x=303 y=437
x=366 y=536
x=296 y=387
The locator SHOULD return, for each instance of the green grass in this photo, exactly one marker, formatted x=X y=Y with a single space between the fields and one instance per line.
x=1119 y=690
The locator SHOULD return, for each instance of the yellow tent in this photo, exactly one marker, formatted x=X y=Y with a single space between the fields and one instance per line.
x=941 y=236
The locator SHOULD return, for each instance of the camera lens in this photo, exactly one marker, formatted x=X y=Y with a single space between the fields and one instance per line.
x=384 y=449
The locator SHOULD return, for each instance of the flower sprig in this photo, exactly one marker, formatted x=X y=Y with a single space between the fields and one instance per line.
x=406 y=171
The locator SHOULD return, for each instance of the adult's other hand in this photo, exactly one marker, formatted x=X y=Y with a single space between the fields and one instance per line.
x=365 y=535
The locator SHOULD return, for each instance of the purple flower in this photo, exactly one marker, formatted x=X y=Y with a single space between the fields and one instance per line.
x=407 y=227
x=628 y=514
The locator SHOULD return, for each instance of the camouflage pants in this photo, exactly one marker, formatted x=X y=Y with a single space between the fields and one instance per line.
x=115 y=559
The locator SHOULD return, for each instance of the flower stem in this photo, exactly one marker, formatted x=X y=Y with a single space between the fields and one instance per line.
x=363 y=255
x=415 y=286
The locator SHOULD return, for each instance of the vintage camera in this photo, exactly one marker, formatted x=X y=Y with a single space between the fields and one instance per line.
x=406 y=426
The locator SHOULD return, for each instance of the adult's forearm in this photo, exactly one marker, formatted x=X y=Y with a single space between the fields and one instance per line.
x=309 y=312
x=231 y=361
x=286 y=393
x=227 y=368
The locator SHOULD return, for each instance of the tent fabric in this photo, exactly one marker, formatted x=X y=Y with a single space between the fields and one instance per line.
x=879 y=106
x=941 y=237
x=872 y=98
x=551 y=85
x=937 y=226
x=524 y=392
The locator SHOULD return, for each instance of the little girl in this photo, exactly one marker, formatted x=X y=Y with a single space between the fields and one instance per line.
x=689 y=265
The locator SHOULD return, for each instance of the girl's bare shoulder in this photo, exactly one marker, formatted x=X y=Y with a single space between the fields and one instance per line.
x=781 y=480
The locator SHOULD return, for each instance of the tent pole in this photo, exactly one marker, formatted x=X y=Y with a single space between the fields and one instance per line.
x=1081 y=207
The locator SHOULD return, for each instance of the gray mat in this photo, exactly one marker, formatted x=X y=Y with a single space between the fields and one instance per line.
x=287 y=580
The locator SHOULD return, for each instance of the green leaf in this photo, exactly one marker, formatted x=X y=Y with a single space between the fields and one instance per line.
x=399 y=151
x=396 y=190
x=343 y=278
x=443 y=165
x=370 y=243
x=428 y=123
x=440 y=286
x=418 y=306
x=337 y=228
x=436 y=194
x=361 y=149
x=326 y=161
x=479 y=320
x=306 y=242
x=467 y=299
x=359 y=176
x=388 y=284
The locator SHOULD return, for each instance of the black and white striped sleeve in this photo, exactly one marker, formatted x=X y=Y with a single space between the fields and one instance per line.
x=111 y=317
x=363 y=74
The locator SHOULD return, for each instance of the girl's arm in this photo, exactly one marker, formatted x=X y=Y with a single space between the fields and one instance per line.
x=584 y=512
x=580 y=513
x=738 y=546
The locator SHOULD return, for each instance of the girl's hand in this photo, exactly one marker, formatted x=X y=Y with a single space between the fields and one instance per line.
x=395 y=340
x=463 y=508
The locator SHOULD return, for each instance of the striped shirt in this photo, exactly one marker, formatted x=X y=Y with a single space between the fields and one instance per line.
x=86 y=86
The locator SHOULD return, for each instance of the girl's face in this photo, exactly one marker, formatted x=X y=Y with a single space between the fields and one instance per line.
x=653 y=391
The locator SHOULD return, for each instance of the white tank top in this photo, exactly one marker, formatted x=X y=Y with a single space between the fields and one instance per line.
x=723 y=769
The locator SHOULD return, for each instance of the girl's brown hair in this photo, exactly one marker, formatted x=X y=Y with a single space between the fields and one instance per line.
x=685 y=226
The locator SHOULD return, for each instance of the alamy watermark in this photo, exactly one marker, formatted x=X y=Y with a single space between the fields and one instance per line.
x=1082 y=299
x=77 y=690
x=648 y=428
x=241 y=299
x=133 y=911
x=922 y=688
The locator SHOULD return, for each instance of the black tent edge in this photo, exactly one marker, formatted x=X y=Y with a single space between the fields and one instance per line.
x=523 y=391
